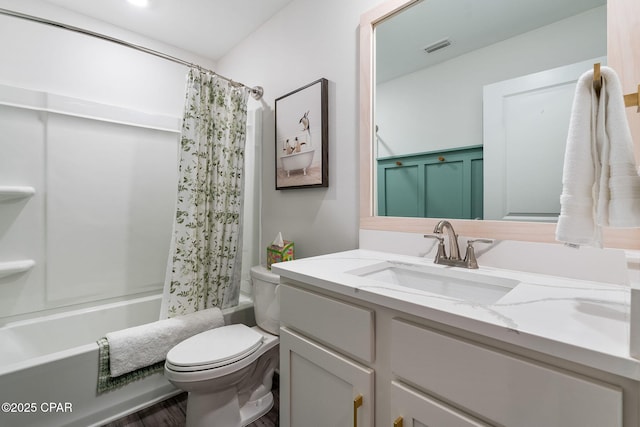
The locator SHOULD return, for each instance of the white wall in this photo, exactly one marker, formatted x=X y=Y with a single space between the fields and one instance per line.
x=45 y=58
x=305 y=41
x=98 y=226
x=447 y=98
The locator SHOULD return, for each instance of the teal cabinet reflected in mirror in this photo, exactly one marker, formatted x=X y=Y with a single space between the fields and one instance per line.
x=443 y=184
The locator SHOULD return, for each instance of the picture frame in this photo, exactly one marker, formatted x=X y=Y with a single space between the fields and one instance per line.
x=302 y=137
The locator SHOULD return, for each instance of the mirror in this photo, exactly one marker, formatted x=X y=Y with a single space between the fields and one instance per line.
x=376 y=71
x=454 y=79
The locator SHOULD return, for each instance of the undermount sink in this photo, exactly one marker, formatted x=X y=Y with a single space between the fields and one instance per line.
x=460 y=284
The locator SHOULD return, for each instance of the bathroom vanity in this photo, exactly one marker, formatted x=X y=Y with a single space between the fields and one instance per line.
x=373 y=338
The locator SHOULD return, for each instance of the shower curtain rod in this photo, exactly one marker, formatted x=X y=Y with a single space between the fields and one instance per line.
x=256 y=91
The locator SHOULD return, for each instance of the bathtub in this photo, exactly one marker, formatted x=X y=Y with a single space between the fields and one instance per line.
x=296 y=161
x=49 y=366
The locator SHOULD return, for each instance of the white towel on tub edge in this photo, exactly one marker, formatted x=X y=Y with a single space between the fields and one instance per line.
x=144 y=345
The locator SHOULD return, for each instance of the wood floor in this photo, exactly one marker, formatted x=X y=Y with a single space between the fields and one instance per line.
x=172 y=413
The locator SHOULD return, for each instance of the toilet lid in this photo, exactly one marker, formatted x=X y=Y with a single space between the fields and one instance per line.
x=214 y=348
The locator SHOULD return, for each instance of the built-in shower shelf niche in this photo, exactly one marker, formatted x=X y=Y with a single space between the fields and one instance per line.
x=15 y=192
x=14 y=267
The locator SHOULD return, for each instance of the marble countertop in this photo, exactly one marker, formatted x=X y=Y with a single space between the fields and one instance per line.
x=580 y=321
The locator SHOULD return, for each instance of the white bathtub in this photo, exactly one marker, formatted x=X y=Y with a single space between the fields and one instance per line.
x=49 y=366
x=296 y=161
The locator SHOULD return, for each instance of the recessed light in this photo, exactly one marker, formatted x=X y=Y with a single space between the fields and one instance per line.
x=139 y=3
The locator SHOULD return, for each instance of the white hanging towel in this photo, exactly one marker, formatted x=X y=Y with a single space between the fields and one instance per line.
x=600 y=182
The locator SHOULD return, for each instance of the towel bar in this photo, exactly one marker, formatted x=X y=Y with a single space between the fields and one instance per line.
x=630 y=100
x=597 y=78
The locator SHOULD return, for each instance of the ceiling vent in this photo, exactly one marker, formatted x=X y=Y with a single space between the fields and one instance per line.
x=441 y=44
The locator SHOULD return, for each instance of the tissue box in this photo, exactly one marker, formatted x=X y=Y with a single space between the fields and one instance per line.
x=277 y=253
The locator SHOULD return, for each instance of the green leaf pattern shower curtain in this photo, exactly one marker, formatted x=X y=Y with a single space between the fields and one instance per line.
x=203 y=268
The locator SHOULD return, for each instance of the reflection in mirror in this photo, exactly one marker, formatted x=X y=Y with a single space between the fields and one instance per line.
x=472 y=103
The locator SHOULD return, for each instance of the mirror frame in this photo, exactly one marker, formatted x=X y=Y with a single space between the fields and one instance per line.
x=501 y=230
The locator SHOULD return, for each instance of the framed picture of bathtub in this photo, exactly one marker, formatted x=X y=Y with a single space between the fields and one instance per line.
x=302 y=136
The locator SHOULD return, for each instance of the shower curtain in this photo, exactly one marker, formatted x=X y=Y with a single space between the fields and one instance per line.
x=204 y=263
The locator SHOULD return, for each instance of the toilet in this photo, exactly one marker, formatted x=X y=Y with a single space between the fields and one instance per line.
x=228 y=370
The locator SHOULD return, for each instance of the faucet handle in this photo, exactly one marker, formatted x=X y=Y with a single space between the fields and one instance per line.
x=440 y=255
x=470 y=257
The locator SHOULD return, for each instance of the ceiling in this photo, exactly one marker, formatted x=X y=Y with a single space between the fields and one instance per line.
x=208 y=28
x=469 y=24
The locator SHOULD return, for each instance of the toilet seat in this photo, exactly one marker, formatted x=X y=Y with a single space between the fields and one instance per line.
x=214 y=348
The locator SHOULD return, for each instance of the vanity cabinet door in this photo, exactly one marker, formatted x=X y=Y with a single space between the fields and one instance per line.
x=410 y=408
x=320 y=388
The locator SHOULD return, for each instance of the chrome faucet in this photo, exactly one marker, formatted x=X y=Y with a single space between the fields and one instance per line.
x=453 y=259
x=445 y=227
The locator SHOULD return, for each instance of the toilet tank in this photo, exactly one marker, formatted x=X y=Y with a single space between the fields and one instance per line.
x=265 y=299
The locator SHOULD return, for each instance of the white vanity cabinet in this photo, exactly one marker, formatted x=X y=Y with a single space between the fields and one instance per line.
x=426 y=374
x=320 y=386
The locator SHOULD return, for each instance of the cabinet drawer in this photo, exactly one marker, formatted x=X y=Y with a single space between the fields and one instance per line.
x=506 y=389
x=415 y=408
x=343 y=326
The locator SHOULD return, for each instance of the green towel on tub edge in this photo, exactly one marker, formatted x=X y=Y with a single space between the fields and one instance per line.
x=108 y=383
